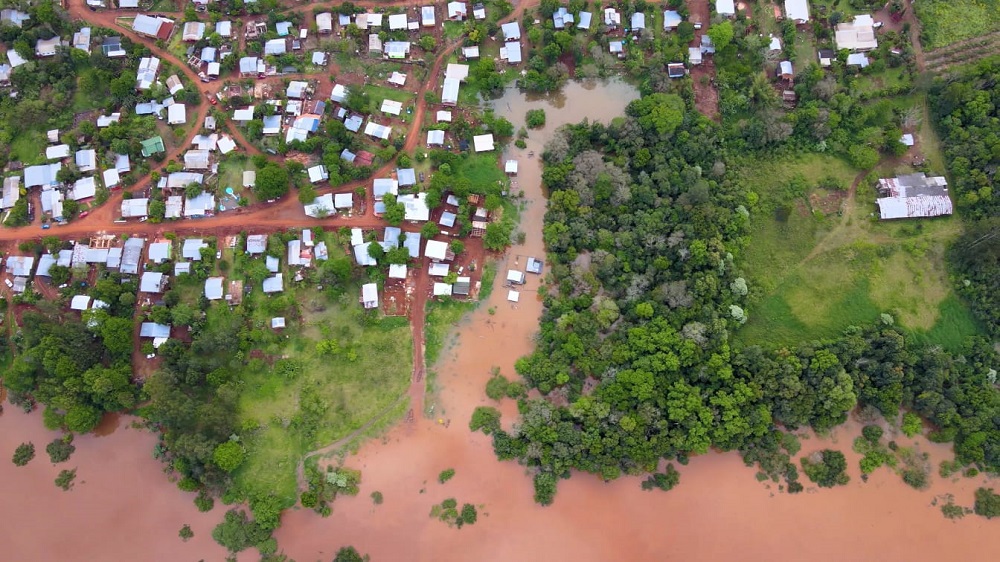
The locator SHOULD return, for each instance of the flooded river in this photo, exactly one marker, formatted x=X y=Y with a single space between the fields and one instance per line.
x=123 y=508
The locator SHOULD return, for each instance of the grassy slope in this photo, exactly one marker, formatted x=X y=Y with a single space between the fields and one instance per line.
x=813 y=275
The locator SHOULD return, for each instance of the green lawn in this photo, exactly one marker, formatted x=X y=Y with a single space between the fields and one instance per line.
x=386 y=92
x=812 y=274
x=301 y=398
x=453 y=30
x=86 y=101
x=948 y=21
x=482 y=171
x=29 y=147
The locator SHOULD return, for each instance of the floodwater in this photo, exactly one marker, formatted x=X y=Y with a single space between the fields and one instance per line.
x=123 y=507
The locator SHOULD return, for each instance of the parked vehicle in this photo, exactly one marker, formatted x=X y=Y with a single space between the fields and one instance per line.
x=46 y=226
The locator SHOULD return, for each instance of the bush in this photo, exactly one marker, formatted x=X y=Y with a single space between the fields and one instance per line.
x=872 y=433
x=59 y=450
x=204 y=502
x=446 y=475
x=485 y=418
x=952 y=511
x=65 y=479
x=468 y=516
x=377 y=497
x=667 y=479
x=911 y=424
x=24 y=453
x=545 y=488
x=826 y=468
x=535 y=118
x=987 y=503
x=185 y=533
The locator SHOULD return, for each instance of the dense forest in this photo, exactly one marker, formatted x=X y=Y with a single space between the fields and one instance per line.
x=967 y=110
x=635 y=360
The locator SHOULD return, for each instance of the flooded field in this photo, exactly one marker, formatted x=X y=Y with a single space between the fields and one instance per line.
x=123 y=508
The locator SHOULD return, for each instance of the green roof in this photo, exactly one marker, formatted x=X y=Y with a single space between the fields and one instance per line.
x=152 y=146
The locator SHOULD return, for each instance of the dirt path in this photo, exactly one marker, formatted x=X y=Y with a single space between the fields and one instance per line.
x=910 y=17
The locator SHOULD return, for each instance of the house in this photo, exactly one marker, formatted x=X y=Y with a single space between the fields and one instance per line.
x=858 y=59
x=272 y=124
x=152 y=282
x=135 y=208
x=175 y=204
x=361 y=254
x=47 y=47
x=86 y=160
x=112 y=47
x=511 y=52
x=284 y=28
x=510 y=167
x=725 y=8
x=617 y=48
x=213 y=288
x=427 y=16
x=375 y=130
x=448 y=219
x=470 y=52
x=277 y=322
x=42 y=175
x=392 y=107
x=297 y=89
x=226 y=144
x=224 y=29
x=45 y=263
x=442 y=290
x=202 y=205
x=562 y=17
x=443 y=116
x=132 y=255
x=182 y=267
x=797 y=11
x=585 y=20
x=159 y=332
x=81 y=40
x=397 y=22
x=79 y=302
x=390 y=238
x=272 y=264
x=343 y=201
x=111 y=178
x=11 y=192
x=15 y=59
x=107 y=120
x=83 y=188
x=397 y=49
x=275 y=47
x=274 y=284
x=369 y=295
x=457 y=71
x=479 y=11
x=457 y=11
x=191 y=249
x=612 y=18
x=321 y=207
x=462 y=286
x=193 y=31
x=252 y=67
x=256 y=244
x=676 y=70
x=826 y=57
x=353 y=123
x=5 y=71
x=159 y=252
x=324 y=23
x=20 y=266
x=209 y=54
x=122 y=164
x=857 y=35
x=15 y=18
x=397 y=79
x=318 y=173
x=511 y=31
x=154 y=27
x=319 y=58
x=435 y=138
x=775 y=44
x=671 y=20
x=146 y=73
x=406 y=177
x=449 y=91
x=397 y=271
x=339 y=93
x=152 y=145
x=436 y=250
x=382 y=186
x=638 y=21
x=907 y=139
x=694 y=55
x=177 y=114
x=196 y=160
x=785 y=70
x=515 y=276
x=913 y=196
x=57 y=152
x=416 y=207
x=534 y=266
x=374 y=44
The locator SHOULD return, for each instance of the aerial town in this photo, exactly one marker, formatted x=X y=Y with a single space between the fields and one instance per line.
x=294 y=249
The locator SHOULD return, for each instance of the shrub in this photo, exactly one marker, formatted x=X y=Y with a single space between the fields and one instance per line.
x=24 y=453
x=987 y=503
x=826 y=468
x=446 y=475
x=185 y=533
x=65 y=479
x=952 y=511
x=911 y=424
x=59 y=450
x=377 y=497
x=872 y=433
x=468 y=516
x=535 y=118
x=204 y=502
x=485 y=418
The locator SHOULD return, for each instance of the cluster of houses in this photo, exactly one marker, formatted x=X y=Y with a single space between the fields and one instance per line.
x=44 y=47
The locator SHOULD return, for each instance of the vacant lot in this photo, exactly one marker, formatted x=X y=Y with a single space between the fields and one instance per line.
x=819 y=262
x=948 y=21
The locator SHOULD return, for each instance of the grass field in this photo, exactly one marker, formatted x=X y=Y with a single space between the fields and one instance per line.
x=85 y=101
x=29 y=147
x=482 y=171
x=814 y=273
x=949 y=21
x=302 y=397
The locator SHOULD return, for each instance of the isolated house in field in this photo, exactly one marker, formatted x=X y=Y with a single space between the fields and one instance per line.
x=483 y=143
x=797 y=11
x=857 y=35
x=392 y=107
x=274 y=284
x=913 y=196
x=471 y=53
x=725 y=8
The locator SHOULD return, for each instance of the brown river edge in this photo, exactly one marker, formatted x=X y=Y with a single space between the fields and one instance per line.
x=124 y=508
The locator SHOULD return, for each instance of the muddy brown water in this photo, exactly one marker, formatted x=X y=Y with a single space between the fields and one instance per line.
x=124 y=508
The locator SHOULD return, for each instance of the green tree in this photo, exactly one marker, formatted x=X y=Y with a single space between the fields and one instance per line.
x=827 y=468
x=721 y=34
x=987 y=503
x=912 y=425
x=229 y=456
x=185 y=533
x=446 y=475
x=349 y=554
x=272 y=182
x=65 y=479
x=535 y=118
x=60 y=449
x=863 y=157
x=661 y=112
x=485 y=418
x=24 y=453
